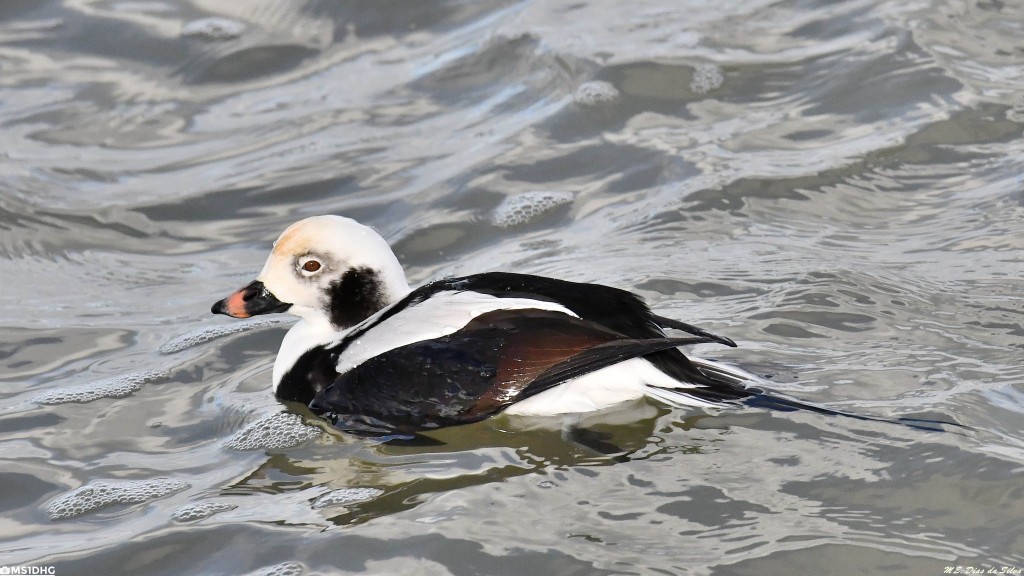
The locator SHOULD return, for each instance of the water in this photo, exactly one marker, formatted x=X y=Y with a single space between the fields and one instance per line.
x=834 y=185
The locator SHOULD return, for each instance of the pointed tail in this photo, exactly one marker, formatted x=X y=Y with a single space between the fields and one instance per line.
x=758 y=398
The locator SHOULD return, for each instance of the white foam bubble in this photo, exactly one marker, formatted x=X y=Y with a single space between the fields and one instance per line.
x=203 y=335
x=282 y=569
x=344 y=496
x=118 y=387
x=213 y=29
x=200 y=510
x=595 y=92
x=273 y=432
x=519 y=209
x=106 y=493
x=706 y=77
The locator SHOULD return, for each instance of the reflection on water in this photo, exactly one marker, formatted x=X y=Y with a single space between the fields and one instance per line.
x=834 y=185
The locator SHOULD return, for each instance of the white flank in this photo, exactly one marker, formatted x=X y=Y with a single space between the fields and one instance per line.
x=604 y=388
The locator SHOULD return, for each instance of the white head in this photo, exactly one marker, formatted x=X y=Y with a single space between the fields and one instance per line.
x=324 y=268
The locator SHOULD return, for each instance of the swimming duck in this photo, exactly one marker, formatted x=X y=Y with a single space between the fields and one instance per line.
x=374 y=356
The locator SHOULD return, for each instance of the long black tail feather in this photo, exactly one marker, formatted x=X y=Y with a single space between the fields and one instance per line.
x=691 y=329
x=783 y=404
x=733 y=379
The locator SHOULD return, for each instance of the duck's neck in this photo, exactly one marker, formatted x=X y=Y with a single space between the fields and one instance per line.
x=306 y=334
x=359 y=294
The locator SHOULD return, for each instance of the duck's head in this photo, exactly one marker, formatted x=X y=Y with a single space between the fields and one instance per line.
x=324 y=268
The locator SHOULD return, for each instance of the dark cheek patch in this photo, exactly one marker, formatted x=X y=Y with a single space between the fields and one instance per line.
x=354 y=297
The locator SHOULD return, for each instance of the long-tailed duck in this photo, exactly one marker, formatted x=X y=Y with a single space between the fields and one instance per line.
x=373 y=356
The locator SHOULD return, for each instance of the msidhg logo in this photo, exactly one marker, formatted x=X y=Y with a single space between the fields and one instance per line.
x=27 y=570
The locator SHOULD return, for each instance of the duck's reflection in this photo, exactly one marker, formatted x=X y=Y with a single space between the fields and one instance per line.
x=409 y=472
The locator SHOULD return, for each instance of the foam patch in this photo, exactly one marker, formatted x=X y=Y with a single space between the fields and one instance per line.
x=213 y=29
x=273 y=432
x=103 y=493
x=200 y=510
x=203 y=335
x=118 y=387
x=344 y=496
x=706 y=77
x=282 y=569
x=522 y=208
x=595 y=92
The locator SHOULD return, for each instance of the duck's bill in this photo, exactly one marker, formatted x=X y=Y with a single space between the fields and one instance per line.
x=251 y=300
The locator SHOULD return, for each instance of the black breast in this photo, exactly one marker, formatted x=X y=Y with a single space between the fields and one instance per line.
x=419 y=386
x=314 y=371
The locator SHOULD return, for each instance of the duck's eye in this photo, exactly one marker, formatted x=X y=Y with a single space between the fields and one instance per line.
x=311 y=265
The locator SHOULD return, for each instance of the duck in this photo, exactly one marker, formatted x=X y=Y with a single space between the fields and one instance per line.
x=375 y=357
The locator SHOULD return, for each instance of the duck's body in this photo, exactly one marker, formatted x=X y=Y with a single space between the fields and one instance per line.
x=372 y=355
x=462 y=349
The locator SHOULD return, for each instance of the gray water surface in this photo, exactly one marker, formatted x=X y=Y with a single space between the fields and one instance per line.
x=835 y=185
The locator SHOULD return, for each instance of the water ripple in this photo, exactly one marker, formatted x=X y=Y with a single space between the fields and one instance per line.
x=834 y=185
